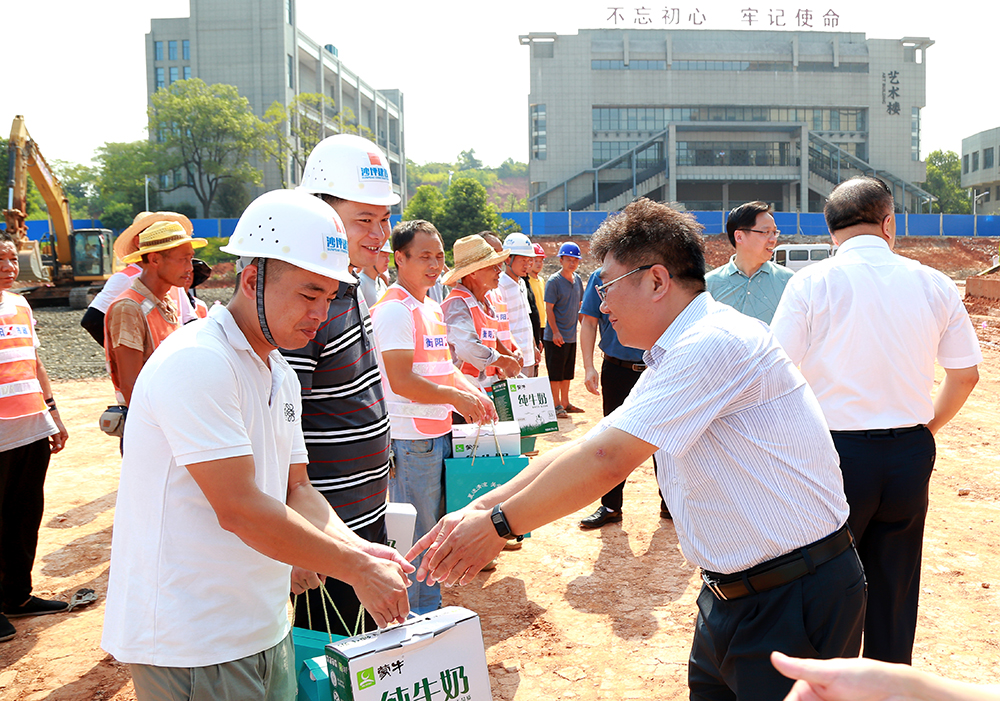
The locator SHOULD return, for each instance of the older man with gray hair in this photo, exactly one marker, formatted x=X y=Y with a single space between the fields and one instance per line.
x=865 y=327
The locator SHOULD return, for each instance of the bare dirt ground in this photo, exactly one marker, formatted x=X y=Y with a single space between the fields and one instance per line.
x=604 y=614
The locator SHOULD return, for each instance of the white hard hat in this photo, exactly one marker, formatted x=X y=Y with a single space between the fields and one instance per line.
x=519 y=245
x=296 y=228
x=351 y=168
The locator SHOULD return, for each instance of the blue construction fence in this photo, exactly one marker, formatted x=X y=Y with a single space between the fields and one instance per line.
x=558 y=224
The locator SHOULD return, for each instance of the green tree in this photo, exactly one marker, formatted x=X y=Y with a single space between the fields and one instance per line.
x=291 y=134
x=34 y=205
x=512 y=169
x=232 y=199
x=427 y=203
x=944 y=181
x=122 y=168
x=117 y=215
x=207 y=133
x=466 y=211
x=467 y=160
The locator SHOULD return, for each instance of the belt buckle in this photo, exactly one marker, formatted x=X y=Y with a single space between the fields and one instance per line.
x=714 y=588
x=638 y=367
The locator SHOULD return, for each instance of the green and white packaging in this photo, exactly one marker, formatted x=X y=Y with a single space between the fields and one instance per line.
x=436 y=657
x=528 y=401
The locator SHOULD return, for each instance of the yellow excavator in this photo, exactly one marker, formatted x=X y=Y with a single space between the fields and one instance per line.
x=71 y=265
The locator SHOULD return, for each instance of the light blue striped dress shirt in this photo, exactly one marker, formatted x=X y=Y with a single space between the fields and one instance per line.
x=756 y=296
x=745 y=459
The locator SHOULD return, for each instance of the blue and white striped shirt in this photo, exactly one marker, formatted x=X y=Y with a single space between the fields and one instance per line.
x=745 y=461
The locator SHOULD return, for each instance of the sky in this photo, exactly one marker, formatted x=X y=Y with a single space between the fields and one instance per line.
x=76 y=70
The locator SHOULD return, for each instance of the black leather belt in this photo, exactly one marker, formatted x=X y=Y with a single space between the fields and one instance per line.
x=882 y=432
x=779 y=571
x=635 y=367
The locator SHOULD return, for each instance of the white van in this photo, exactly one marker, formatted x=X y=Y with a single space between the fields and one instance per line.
x=796 y=256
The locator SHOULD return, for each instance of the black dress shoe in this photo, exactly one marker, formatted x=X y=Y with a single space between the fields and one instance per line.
x=600 y=517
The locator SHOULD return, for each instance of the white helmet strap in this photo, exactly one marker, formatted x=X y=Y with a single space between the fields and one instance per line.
x=261 y=264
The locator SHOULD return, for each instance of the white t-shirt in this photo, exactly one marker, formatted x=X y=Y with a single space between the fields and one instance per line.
x=182 y=591
x=393 y=324
x=515 y=294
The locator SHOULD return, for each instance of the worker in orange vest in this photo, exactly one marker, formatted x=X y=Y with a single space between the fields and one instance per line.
x=422 y=386
x=30 y=431
x=144 y=314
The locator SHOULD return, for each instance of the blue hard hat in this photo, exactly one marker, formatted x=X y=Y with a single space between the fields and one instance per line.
x=569 y=249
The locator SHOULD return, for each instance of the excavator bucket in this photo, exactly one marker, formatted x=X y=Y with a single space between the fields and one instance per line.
x=29 y=260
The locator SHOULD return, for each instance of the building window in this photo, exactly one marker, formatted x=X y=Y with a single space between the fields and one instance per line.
x=634 y=65
x=173 y=75
x=649 y=157
x=965 y=163
x=915 y=134
x=538 y=133
x=187 y=72
x=745 y=153
x=290 y=11
x=987 y=158
x=186 y=50
x=654 y=119
x=975 y=161
x=291 y=72
x=172 y=50
x=160 y=82
x=158 y=48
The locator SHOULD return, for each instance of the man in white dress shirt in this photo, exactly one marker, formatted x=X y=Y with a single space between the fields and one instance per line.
x=744 y=460
x=865 y=327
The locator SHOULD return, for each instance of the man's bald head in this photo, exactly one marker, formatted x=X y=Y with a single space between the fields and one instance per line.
x=861 y=200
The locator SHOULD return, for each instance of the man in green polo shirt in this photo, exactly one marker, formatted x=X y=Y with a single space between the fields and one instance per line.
x=750 y=282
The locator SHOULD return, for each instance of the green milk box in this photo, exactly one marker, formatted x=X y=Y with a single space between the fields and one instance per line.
x=435 y=657
x=527 y=400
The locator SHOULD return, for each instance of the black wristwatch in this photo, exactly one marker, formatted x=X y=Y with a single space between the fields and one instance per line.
x=500 y=523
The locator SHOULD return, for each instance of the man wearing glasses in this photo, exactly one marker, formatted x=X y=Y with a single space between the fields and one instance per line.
x=750 y=282
x=744 y=459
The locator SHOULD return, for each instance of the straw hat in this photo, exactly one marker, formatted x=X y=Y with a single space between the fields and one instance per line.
x=127 y=241
x=472 y=253
x=162 y=236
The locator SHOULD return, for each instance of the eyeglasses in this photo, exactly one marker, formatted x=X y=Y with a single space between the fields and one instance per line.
x=776 y=232
x=602 y=290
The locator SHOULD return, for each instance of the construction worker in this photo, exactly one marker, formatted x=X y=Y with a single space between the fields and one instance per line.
x=515 y=295
x=344 y=417
x=30 y=431
x=214 y=502
x=563 y=296
x=471 y=316
x=126 y=243
x=422 y=385
x=145 y=314
x=499 y=303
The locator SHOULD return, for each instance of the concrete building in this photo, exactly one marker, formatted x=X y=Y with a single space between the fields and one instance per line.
x=257 y=46
x=980 y=172
x=713 y=118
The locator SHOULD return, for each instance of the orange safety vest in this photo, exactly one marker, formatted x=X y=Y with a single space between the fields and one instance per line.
x=156 y=325
x=487 y=328
x=20 y=392
x=431 y=360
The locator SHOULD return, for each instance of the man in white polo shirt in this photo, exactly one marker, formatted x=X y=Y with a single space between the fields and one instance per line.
x=743 y=458
x=215 y=503
x=865 y=327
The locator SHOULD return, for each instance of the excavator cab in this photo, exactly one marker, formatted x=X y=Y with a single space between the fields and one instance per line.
x=92 y=255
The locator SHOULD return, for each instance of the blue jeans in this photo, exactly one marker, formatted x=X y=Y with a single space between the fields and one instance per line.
x=419 y=480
